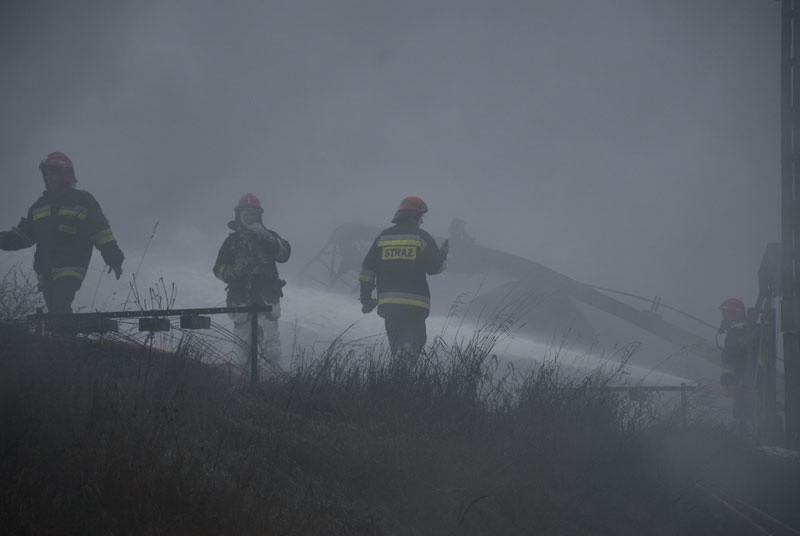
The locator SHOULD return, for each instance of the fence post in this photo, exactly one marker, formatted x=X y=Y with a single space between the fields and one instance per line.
x=683 y=403
x=254 y=344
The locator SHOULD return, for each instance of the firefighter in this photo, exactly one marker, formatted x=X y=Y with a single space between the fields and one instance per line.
x=398 y=261
x=734 y=350
x=64 y=224
x=246 y=263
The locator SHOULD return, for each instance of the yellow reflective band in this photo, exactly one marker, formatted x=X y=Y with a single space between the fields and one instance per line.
x=40 y=213
x=62 y=274
x=27 y=239
x=103 y=237
x=404 y=301
x=67 y=229
x=398 y=253
x=367 y=277
x=69 y=271
x=401 y=242
x=76 y=211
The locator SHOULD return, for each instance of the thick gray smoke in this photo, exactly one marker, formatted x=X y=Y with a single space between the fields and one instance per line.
x=627 y=144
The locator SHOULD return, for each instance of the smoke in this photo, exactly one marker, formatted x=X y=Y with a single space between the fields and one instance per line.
x=628 y=144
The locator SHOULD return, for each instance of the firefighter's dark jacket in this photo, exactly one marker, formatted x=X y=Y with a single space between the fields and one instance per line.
x=64 y=224
x=246 y=262
x=398 y=262
x=734 y=351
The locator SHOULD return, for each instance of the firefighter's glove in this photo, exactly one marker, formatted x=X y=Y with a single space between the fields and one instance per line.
x=117 y=271
x=269 y=248
x=368 y=304
x=262 y=232
x=445 y=248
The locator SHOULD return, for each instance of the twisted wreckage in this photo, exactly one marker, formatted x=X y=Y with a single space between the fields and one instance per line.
x=566 y=302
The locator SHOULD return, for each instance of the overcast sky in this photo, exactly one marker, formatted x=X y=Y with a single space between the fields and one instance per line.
x=632 y=144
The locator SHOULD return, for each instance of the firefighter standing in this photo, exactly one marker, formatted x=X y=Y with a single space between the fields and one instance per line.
x=398 y=261
x=246 y=262
x=64 y=224
x=734 y=350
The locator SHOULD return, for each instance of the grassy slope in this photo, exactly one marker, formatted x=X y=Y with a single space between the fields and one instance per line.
x=117 y=441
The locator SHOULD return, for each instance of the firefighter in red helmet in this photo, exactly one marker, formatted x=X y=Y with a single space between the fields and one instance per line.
x=246 y=263
x=734 y=350
x=397 y=263
x=64 y=224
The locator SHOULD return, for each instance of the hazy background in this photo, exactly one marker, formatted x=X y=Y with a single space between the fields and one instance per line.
x=632 y=144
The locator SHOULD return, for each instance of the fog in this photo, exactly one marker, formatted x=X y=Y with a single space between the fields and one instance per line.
x=627 y=144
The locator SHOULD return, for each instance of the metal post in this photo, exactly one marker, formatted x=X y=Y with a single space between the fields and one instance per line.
x=655 y=303
x=790 y=219
x=254 y=344
x=683 y=404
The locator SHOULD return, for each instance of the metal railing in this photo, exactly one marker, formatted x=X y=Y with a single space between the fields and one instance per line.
x=88 y=320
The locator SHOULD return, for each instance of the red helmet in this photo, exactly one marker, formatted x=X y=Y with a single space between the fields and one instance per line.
x=733 y=310
x=249 y=201
x=62 y=162
x=413 y=204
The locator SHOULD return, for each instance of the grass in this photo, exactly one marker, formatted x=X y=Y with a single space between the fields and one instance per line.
x=102 y=437
x=108 y=439
x=19 y=296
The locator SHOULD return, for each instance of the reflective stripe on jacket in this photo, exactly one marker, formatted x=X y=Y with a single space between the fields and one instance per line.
x=65 y=224
x=398 y=262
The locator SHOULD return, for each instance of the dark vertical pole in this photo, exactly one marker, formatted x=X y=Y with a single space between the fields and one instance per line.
x=790 y=304
x=768 y=356
x=254 y=344
x=683 y=404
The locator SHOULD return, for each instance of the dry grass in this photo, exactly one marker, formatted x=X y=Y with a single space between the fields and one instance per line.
x=19 y=296
x=115 y=437
x=114 y=440
x=109 y=437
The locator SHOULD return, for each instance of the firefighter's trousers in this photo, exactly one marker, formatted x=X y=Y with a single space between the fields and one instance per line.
x=269 y=342
x=406 y=333
x=58 y=294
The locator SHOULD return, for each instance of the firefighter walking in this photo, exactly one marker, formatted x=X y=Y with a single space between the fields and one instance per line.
x=733 y=325
x=246 y=262
x=64 y=224
x=398 y=263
